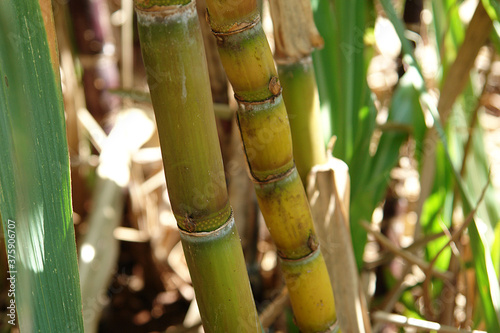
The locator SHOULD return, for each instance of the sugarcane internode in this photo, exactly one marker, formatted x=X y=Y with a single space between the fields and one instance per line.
x=174 y=57
x=301 y=98
x=266 y=138
x=158 y=5
x=267 y=141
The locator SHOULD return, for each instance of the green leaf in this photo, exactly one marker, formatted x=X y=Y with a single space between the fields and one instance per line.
x=448 y=31
x=35 y=191
x=369 y=184
x=340 y=70
x=404 y=110
x=361 y=163
x=487 y=282
x=324 y=64
x=495 y=250
x=492 y=8
x=478 y=173
x=346 y=106
x=438 y=208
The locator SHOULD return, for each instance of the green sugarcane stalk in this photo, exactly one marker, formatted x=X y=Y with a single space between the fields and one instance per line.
x=295 y=38
x=173 y=53
x=265 y=132
x=302 y=103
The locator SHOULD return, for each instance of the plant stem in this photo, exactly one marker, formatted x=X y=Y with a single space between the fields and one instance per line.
x=296 y=37
x=174 y=57
x=266 y=136
x=301 y=99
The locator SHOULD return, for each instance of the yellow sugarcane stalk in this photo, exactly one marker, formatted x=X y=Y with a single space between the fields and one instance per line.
x=267 y=141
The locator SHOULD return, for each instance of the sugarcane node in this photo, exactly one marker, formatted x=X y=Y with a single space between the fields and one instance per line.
x=308 y=256
x=155 y=8
x=237 y=27
x=272 y=178
x=241 y=101
x=332 y=328
x=207 y=17
x=280 y=254
x=247 y=105
x=312 y=242
x=220 y=40
x=226 y=225
x=162 y=11
x=145 y=4
x=293 y=61
x=328 y=330
x=275 y=86
x=189 y=223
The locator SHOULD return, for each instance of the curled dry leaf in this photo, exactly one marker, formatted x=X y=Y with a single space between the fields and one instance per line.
x=329 y=190
x=295 y=34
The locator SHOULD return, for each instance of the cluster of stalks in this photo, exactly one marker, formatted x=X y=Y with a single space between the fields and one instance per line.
x=178 y=79
x=174 y=57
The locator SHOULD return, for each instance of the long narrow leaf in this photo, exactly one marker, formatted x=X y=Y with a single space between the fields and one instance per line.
x=34 y=178
x=340 y=68
x=324 y=64
x=346 y=105
x=489 y=289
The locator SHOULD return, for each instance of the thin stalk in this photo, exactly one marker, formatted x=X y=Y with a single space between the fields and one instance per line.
x=173 y=53
x=97 y=55
x=266 y=136
x=127 y=46
x=302 y=102
x=295 y=38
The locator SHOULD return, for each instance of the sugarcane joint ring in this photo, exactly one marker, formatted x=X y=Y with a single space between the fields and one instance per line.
x=236 y=28
x=334 y=328
x=222 y=230
x=247 y=105
x=273 y=178
x=189 y=224
x=299 y=261
x=163 y=10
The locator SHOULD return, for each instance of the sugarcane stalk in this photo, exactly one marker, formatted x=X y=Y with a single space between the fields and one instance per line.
x=302 y=103
x=296 y=37
x=97 y=55
x=266 y=136
x=173 y=53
